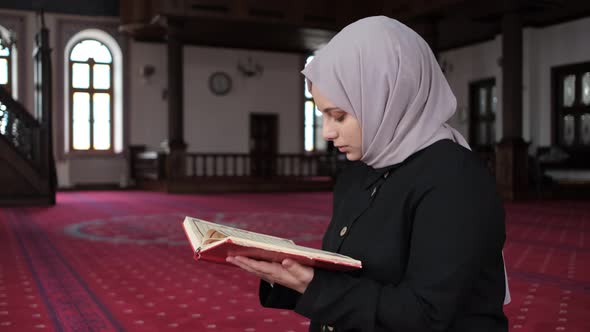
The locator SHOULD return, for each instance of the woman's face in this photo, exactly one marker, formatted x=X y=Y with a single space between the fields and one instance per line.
x=340 y=127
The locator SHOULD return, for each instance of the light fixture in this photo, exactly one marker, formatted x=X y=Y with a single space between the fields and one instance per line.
x=250 y=68
x=146 y=72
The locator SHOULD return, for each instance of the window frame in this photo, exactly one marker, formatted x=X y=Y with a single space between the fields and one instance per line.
x=91 y=91
x=329 y=145
x=475 y=119
x=8 y=86
x=577 y=109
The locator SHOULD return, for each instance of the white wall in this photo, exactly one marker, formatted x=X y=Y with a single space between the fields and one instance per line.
x=465 y=65
x=543 y=49
x=221 y=123
x=149 y=110
x=216 y=123
x=212 y=123
x=557 y=45
x=70 y=170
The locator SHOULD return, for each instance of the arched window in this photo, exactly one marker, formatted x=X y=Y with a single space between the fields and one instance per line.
x=91 y=97
x=313 y=139
x=6 y=59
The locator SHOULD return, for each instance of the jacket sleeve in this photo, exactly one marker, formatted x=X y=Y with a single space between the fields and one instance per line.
x=277 y=296
x=455 y=229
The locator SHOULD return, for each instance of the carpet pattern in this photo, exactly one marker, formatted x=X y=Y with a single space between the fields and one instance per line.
x=118 y=261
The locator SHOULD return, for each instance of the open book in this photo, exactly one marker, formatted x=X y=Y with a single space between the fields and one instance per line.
x=214 y=242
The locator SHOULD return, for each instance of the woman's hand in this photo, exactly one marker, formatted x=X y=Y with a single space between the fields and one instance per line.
x=288 y=273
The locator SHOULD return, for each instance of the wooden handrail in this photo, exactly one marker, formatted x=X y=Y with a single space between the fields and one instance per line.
x=20 y=128
x=152 y=165
x=244 y=164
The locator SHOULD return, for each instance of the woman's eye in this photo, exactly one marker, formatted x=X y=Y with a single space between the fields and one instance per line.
x=340 y=118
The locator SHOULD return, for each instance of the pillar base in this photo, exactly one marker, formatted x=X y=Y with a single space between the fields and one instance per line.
x=512 y=168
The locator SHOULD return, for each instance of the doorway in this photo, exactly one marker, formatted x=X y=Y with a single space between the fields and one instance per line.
x=263 y=144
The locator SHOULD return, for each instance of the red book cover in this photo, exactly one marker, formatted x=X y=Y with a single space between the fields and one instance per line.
x=216 y=251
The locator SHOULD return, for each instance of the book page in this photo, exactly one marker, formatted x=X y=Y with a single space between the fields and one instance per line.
x=210 y=234
x=210 y=230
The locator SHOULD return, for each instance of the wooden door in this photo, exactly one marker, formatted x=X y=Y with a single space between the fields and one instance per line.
x=263 y=144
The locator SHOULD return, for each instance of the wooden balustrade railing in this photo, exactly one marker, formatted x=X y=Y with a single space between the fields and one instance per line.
x=20 y=128
x=235 y=164
x=152 y=165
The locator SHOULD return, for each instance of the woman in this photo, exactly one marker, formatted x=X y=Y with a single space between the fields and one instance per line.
x=417 y=208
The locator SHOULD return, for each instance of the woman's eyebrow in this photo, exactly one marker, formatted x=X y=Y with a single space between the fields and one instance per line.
x=330 y=109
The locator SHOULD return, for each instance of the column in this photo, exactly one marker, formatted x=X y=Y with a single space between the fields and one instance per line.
x=511 y=152
x=176 y=145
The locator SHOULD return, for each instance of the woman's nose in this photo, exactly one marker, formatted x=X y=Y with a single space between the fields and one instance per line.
x=328 y=131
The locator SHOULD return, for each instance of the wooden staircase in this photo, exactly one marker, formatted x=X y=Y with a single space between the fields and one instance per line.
x=21 y=182
x=27 y=166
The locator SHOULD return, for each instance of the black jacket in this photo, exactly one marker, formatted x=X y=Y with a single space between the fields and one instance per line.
x=429 y=232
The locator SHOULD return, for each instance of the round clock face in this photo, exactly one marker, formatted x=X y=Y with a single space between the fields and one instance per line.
x=220 y=83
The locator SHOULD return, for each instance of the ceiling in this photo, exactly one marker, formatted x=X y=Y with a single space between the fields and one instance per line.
x=304 y=25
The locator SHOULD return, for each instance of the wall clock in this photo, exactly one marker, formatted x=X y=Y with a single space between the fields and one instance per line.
x=220 y=83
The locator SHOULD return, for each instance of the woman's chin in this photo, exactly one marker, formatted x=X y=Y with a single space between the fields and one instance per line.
x=351 y=156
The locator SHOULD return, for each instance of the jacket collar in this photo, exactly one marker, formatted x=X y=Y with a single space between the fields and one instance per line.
x=375 y=174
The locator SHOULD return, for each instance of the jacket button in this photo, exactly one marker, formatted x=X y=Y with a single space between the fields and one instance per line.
x=343 y=230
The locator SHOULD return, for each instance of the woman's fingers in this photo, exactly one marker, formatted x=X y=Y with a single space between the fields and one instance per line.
x=241 y=265
x=265 y=270
x=302 y=273
x=289 y=273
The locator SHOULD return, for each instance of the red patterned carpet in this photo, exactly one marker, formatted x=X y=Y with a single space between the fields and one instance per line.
x=112 y=261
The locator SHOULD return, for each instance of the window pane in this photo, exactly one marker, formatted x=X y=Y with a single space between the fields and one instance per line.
x=569 y=90
x=102 y=76
x=102 y=135
x=102 y=107
x=494 y=99
x=308 y=121
x=320 y=143
x=483 y=98
x=80 y=75
x=585 y=129
x=4 y=51
x=81 y=135
x=81 y=106
x=81 y=117
x=3 y=119
x=586 y=89
x=3 y=71
x=91 y=49
x=568 y=130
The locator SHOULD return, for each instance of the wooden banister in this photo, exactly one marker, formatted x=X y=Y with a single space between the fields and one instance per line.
x=20 y=129
x=150 y=165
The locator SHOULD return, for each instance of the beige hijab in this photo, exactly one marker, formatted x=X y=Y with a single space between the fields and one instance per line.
x=385 y=74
